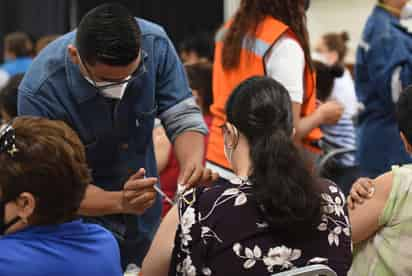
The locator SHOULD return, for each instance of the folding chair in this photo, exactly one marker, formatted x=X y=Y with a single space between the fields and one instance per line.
x=310 y=270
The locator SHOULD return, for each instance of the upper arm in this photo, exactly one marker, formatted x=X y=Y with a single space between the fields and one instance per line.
x=286 y=64
x=158 y=258
x=171 y=83
x=365 y=218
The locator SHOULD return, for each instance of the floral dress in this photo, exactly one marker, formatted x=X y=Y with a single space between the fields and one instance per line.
x=222 y=232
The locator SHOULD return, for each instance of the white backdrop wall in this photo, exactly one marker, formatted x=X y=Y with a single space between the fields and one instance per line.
x=332 y=16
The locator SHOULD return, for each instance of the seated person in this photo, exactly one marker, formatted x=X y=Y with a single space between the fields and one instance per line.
x=8 y=98
x=18 y=49
x=200 y=80
x=381 y=226
x=43 y=178
x=272 y=217
x=342 y=170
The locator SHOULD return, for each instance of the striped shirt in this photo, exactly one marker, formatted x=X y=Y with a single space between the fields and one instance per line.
x=342 y=135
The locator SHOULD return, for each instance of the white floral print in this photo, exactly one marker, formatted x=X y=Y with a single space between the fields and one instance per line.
x=334 y=206
x=280 y=256
x=186 y=222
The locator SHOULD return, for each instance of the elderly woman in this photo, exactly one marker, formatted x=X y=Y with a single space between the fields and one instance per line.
x=43 y=178
x=273 y=216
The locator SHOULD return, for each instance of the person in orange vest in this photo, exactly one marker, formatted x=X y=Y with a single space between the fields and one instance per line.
x=267 y=37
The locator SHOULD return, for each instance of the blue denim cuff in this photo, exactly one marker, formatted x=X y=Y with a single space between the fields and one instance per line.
x=182 y=117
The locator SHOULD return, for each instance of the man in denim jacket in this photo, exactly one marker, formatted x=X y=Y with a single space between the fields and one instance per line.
x=109 y=80
x=383 y=70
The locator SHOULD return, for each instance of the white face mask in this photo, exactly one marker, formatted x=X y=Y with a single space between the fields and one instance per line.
x=406 y=12
x=316 y=56
x=113 y=92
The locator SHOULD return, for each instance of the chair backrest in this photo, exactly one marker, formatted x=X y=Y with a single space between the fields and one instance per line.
x=311 y=270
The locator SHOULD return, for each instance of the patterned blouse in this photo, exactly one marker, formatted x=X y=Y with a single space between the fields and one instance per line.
x=221 y=232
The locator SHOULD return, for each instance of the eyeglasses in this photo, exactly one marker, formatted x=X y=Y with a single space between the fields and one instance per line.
x=140 y=70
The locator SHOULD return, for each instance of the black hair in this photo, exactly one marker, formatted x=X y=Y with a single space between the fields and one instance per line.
x=8 y=95
x=200 y=79
x=284 y=188
x=404 y=113
x=325 y=78
x=19 y=43
x=201 y=43
x=108 y=34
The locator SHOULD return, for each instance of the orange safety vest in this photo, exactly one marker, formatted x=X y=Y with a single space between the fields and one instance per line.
x=252 y=63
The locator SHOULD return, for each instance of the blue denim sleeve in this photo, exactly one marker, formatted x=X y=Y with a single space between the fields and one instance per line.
x=37 y=104
x=176 y=106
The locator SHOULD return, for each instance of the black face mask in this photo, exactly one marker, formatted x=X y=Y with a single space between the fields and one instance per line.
x=307 y=4
x=3 y=225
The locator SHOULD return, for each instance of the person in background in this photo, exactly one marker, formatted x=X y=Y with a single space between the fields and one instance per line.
x=381 y=212
x=383 y=69
x=273 y=216
x=4 y=77
x=108 y=80
x=342 y=169
x=18 y=49
x=200 y=81
x=197 y=48
x=43 y=179
x=43 y=41
x=268 y=37
x=8 y=98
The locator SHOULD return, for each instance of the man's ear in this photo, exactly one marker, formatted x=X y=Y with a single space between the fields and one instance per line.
x=74 y=54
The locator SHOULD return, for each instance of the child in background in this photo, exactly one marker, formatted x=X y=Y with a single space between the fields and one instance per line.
x=200 y=80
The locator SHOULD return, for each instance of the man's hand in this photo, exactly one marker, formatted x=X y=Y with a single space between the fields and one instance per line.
x=195 y=174
x=362 y=189
x=138 y=193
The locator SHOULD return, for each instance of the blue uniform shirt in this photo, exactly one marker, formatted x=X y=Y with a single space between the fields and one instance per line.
x=17 y=66
x=117 y=136
x=383 y=69
x=72 y=249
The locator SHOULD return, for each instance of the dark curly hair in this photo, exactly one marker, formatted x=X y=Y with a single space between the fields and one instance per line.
x=261 y=109
x=251 y=13
x=50 y=164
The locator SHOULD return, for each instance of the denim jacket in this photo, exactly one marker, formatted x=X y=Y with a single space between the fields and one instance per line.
x=117 y=136
x=383 y=69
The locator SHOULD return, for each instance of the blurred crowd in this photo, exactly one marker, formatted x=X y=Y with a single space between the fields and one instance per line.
x=244 y=152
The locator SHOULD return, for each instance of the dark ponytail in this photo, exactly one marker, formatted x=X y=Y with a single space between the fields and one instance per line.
x=325 y=78
x=284 y=189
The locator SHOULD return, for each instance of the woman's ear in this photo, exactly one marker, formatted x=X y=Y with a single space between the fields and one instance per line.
x=26 y=204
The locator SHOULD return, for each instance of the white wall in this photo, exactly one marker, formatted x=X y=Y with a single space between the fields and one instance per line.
x=332 y=16
x=337 y=16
